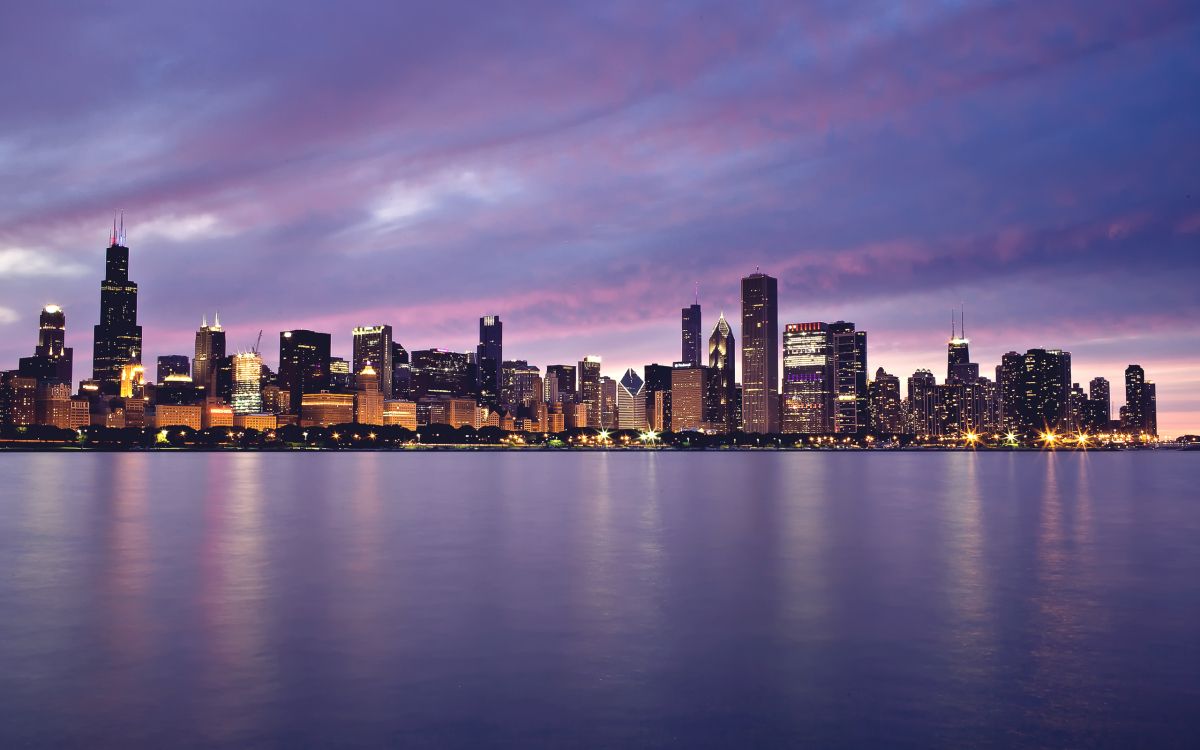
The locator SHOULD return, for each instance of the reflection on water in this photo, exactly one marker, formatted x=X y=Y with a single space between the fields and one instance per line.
x=716 y=599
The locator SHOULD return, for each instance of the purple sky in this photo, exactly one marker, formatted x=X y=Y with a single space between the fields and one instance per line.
x=576 y=166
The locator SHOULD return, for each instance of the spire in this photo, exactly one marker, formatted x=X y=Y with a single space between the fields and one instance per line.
x=697 y=292
x=121 y=235
x=962 y=320
x=216 y=320
x=204 y=321
x=112 y=236
x=952 y=330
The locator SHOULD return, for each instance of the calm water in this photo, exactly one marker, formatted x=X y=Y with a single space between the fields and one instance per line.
x=599 y=600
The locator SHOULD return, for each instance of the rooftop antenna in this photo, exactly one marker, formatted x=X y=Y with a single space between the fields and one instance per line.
x=121 y=236
x=204 y=321
x=112 y=237
x=697 y=292
x=216 y=320
x=962 y=320
x=952 y=323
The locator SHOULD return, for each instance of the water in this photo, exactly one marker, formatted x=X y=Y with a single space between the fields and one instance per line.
x=599 y=600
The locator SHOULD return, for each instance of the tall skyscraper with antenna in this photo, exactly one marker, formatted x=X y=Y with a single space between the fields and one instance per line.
x=959 y=367
x=210 y=350
x=117 y=338
x=690 y=332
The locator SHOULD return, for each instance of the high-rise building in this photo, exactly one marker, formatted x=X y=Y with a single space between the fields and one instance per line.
x=608 y=403
x=1045 y=397
x=1140 y=416
x=690 y=329
x=631 y=401
x=51 y=362
x=760 y=353
x=18 y=399
x=1010 y=382
x=341 y=378
x=368 y=404
x=489 y=358
x=373 y=346
x=247 y=383
x=1099 y=392
x=589 y=389
x=173 y=364
x=520 y=384
x=959 y=367
x=303 y=365
x=808 y=385
x=851 y=413
x=688 y=387
x=117 y=337
x=886 y=415
x=563 y=388
x=401 y=373
x=722 y=384
x=210 y=349
x=922 y=399
x=441 y=373
x=657 y=389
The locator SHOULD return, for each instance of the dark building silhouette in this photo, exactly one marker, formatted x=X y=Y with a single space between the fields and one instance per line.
x=922 y=404
x=117 y=337
x=657 y=389
x=760 y=353
x=1100 y=394
x=1045 y=397
x=1010 y=383
x=303 y=364
x=851 y=411
x=401 y=373
x=589 y=390
x=690 y=330
x=52 y=358
x=808 y=386
x=489 y=358
x=373 y=345
x=959 y=367
x=564 y=380
x=172 y=364
x=721 y=384
x=439 y=373
x=1140 y=415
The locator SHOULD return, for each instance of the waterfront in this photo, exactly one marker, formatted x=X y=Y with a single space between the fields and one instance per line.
x=599 y=599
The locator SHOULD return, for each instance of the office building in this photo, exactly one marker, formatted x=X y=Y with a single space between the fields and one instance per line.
x=373 y=346
x=722 y=383
x=808 y=386
x=631 y=401
x=401 y=373
x=688 y=388
x=851 y=412
x=323 y=409
x=117 y=337
x=1140 y=416
x=760 y=354
x=341 y=378
x=520 y=384
x=52 y=358
x=608 y=403
x=690 y=330
x=560 y=384
x=1045 y=397
x=210 y=350
x=179 y=415
x=400 y=413
x=369 y=402
x=589 y=389
x=440 y=373
x=489 y=359
x=1010 y=382
x=247 y=383
x=1100 y=394
x=922 y=388
x=303 y=365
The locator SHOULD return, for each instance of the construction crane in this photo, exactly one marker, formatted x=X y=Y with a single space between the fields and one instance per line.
x=258 y=342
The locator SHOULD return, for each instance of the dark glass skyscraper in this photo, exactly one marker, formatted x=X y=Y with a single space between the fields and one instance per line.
x=1100 y=394
x=1046 y=387
x=210 y=351
x=1140 y=415
x=690 y=330
x=489 y=357
x=303 y=364
x=959 y=367
x=760 y=353
x=117 y=337
x=722 y=385
x=441 y=373
x=851 y=411
x=589 y=389
x=564 y=379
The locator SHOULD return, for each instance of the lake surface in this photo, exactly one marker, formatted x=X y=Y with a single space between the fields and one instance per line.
x=599 y=600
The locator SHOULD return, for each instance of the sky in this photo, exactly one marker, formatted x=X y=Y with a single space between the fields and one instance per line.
x=577 y=167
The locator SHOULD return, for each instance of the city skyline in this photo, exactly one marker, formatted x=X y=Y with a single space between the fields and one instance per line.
x=1045 y=178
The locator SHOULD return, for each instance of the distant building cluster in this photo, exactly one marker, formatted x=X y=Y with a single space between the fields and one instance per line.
x=825 y=388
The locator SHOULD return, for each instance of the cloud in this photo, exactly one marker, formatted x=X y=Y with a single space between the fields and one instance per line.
x=184 y=228
x=8 y=316
x=20 y=261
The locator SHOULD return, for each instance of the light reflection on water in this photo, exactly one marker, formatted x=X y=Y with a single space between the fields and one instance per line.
x=696 y=600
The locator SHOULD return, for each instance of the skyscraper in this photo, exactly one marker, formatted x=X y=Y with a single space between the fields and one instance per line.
x=886 y=416
x=808 y=385
x=52 y=359
x=1141 y=408
x=631 y=401
x=1045 y=397
x=489 y=357
x=959 y=367
x=117 y=337
x=690 y=330
x=657 y=389
x=589 y=389
x=401 y=373
x=1099 y=392
x=247 y=383
x=722 y=385
x=849 y=346
x=564 y=389
x=368 y=402
x=688 y=386
x=442 y=374
x=922 y=398
x=210 y=350
x=760 y=353
x=303 y=364
x=373 y=346
x=1010 y=382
